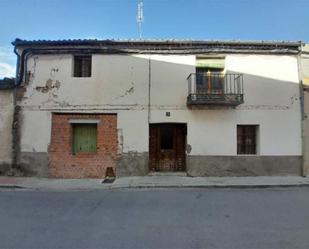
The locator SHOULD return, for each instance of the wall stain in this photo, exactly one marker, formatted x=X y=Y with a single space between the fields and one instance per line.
x=293 y=99
x=49 y=85
x=120 y=141
x=30 y=74
x=188 y=148
x=53 y=72
x=60 y=103
x=127 y=92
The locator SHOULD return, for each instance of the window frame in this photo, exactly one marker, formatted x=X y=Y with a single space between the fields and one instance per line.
x=82 y=58
x=73 y=127
x=246 y=151
x=210 y=79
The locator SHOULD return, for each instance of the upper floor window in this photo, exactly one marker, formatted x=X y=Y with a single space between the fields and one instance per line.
x=209 y=74
x=82 y=66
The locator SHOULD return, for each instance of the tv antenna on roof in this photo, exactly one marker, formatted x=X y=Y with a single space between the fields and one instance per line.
x=140 y=17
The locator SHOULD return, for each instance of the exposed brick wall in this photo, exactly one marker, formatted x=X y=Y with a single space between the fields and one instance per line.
x=64 y=164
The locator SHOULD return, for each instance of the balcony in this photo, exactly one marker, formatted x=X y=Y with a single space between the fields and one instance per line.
x=215 y=89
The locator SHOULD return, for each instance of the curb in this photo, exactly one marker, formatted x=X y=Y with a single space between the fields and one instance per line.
x=12 y=187
x=47 y=189
x=154 y=186
x=212 y=186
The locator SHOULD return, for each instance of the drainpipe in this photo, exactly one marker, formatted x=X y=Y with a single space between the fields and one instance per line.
x=149 y=106
x=17 y=65
x=149 y=88
x=302 y=110
x=15 y=132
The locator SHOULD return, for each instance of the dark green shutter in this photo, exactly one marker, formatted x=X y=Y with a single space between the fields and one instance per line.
x=84 y=138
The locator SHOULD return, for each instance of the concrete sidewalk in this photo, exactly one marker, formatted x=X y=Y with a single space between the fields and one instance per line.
x=201 y=182
x=161 y=181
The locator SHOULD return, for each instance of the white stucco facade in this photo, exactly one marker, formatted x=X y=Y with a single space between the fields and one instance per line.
x=120 y=84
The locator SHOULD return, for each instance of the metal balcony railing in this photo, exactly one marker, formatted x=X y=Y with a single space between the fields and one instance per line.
x=215 y=89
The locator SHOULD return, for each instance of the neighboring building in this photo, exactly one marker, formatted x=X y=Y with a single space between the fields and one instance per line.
x=6 y=124
x=208 y=108
x=304 y=69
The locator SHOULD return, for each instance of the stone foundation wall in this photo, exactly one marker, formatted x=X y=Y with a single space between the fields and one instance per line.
x=136 y=164
x=133 y=164
x=244 y=165
x=34 y=163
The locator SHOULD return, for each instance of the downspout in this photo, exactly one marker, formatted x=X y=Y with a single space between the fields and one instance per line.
x=149 y=106
x=15 y=123
x=149 y=88
x=20 y=69
x=21 y=63
x=17 y=65
x=302 y=110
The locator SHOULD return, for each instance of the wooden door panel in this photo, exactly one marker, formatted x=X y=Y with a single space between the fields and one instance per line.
x=167 y=147
x=180 y=148
x=153 y=140
x=164 y=156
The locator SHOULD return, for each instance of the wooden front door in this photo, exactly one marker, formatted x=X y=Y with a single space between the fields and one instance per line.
x=167 y=147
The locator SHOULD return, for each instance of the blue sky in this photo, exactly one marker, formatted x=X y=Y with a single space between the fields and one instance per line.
x=187 y=19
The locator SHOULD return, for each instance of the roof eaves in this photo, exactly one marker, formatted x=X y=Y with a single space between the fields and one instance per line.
x=19 y=42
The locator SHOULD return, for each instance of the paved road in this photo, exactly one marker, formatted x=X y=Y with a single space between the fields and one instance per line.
x=164 y=218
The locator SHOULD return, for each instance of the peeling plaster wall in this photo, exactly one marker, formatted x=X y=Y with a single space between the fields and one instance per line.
x=116 y=81
x=6 y=124
x=119 y=84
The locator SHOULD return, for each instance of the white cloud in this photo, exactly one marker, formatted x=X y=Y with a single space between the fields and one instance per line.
x=7 y=60
x=7 y=53
x=6 y=70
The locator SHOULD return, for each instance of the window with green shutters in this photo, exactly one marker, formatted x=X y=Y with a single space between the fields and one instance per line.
x=84 y=138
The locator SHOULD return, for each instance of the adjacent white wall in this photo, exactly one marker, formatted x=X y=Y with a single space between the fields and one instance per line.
x=119 y=84
x=6 y=125
x=35 y=130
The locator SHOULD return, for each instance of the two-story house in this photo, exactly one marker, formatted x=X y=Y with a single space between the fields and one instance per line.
x=207 y=108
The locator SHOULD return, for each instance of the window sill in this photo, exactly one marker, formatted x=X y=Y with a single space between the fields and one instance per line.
x=82 y=77
x=247 y=155
x=84 y=153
